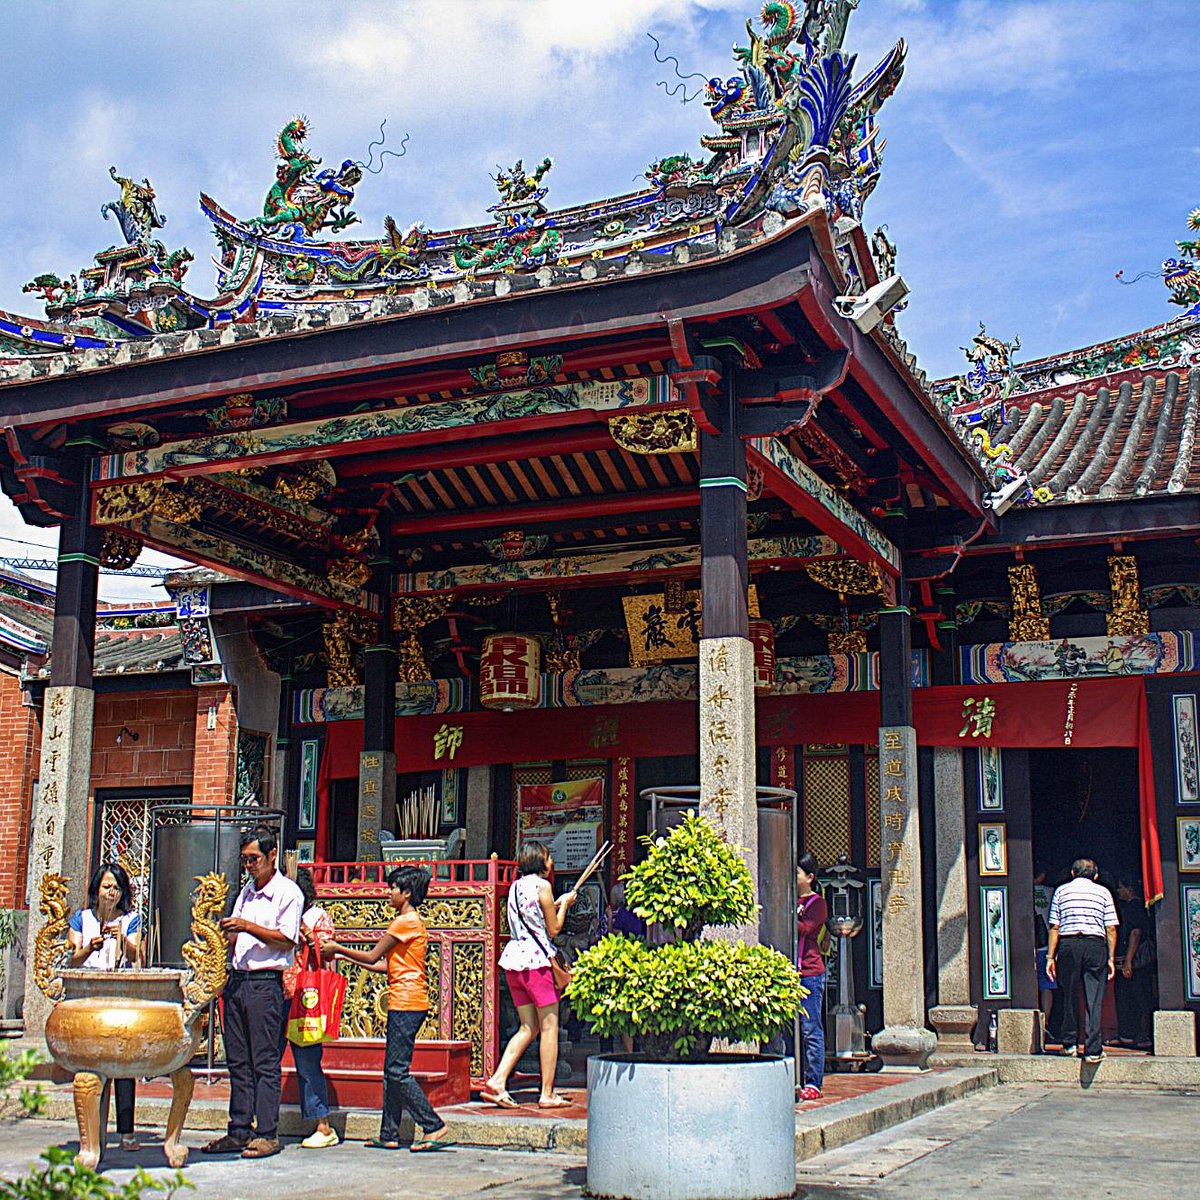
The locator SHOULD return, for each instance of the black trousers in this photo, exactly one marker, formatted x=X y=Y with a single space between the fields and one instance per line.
x=126 y=1090
x=253 y=1016
x=1133 y=1006
x=400 y=1089
x=1082 y=960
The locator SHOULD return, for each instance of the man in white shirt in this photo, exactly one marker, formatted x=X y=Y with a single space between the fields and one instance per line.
x=1083 y=940
x=262 y=932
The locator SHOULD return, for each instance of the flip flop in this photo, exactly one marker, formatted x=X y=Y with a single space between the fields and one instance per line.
x=429 y=1145
x=557 y=1102
x=499 y=1099
x=378 y=1144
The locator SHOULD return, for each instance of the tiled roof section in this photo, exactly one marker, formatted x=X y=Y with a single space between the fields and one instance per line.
x=1110 y=443
x=129 y=643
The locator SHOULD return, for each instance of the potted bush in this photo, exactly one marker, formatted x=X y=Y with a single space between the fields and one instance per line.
x=676 y=1121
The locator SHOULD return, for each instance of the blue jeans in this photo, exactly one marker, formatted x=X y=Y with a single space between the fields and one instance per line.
x=812 y=1031
x=400 y=1089
x=314 y=1096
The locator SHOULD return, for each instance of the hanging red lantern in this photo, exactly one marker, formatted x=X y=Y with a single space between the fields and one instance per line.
x=510 y=671
x=762 y=634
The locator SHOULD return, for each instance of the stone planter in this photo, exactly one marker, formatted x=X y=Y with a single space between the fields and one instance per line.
x=723 y=1129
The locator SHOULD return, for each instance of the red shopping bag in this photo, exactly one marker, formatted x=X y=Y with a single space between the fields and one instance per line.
x=316 y=1011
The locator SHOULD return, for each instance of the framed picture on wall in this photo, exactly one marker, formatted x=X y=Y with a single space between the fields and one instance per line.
x=993 y=848
x=306 y=851
x=991 y=779
x=1187 y=756
x=1188 y=829
x=310 y=761
x=993 y=915
x=875 y=931
x=1190 y=920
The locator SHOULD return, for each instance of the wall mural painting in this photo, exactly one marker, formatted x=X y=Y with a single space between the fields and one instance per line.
x=991 y=779
x=1077 y=658
x=310 y=761
x=993 y=912
x=1191 y=938
x=1187 y=755
x=993 y=848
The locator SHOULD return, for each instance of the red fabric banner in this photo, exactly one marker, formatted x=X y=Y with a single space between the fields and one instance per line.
x=1061 y=713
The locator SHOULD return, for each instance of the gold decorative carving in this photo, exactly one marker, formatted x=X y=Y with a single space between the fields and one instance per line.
x=1027 y=623
x=845 y=576
x=87 y=1089
x=51 y=944
x=207 y=952
x=175 y=502
x=1128 y=618
x=365 y=1008
x=119 y=550
x=854 y=642
x=454 y=912
x=315 y=480
x=467 y=991
x=359 y=914
x=123 y=502
x=348 y=573
x=671 y=432
x=410 y=614
x=342 y=671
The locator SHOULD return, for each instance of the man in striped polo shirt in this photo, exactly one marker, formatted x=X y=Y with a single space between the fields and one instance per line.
x=1083 y=939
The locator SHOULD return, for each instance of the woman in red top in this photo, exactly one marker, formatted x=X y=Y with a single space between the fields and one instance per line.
x=811 y=915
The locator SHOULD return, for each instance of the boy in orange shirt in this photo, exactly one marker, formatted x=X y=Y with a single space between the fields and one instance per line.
x=400 y=952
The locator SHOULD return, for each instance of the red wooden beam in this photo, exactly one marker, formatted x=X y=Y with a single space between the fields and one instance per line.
x=520 y=515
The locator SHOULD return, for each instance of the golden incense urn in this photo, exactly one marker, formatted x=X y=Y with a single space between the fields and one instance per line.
x=129 y=1024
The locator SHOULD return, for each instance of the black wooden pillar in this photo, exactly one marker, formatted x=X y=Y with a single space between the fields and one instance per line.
x=377 y=763
x=74 y=646
x=724 y=571
x=379 y=698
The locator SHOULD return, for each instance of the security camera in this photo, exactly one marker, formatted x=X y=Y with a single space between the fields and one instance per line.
x=1000 y=502
x=867 y=310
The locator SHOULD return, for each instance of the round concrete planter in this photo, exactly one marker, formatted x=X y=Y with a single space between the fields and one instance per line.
x=724 y=1129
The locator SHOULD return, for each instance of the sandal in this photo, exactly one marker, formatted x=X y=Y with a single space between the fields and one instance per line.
x=555 y=1102
x=379 y=1144
x=130 y=1144
x=429 y=1145
x=499 y=1099
x=224 y=1145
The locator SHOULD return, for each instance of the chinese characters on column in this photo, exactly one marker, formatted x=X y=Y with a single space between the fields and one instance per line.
x=622 y=814
x=894 y=807
x=716 y=730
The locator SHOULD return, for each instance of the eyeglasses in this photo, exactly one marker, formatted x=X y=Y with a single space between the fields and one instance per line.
x=248 y=860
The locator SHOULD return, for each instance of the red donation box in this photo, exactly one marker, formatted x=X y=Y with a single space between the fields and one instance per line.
x=510 y=671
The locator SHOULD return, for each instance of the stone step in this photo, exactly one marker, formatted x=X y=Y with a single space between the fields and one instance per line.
x=1117 y=1070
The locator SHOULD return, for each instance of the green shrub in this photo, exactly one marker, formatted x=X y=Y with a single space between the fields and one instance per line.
x=677 y=998
x=14 y=1070
x=64 y=1179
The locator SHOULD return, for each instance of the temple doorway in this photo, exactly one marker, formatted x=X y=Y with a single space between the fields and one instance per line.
x=1085 y=805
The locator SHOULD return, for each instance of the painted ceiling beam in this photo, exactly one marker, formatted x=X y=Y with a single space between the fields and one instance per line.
x=604 y=568
x=517 y=516
x=800 y=487
x=411 y=425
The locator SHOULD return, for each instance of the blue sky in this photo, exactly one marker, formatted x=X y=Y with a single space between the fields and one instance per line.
x=1033 y=149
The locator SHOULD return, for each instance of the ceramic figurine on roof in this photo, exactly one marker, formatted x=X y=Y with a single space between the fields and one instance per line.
x=303 y=196
x=1182 y=275
x=526 y=239
x=136 y=211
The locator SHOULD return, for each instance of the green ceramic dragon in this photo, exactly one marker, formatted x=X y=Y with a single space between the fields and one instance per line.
x=303 y=195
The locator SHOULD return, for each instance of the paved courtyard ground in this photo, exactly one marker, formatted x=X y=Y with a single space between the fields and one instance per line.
x=1009 y=1143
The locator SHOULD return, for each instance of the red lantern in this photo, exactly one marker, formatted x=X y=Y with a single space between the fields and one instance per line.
x=510 y=671
x=762 y=634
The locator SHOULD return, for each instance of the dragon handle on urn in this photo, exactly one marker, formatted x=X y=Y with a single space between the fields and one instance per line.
x=207 y=953
x=51 y=944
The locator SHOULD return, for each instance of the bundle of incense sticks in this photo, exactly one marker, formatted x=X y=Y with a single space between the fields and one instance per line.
x=417 y=815
x=594 y=865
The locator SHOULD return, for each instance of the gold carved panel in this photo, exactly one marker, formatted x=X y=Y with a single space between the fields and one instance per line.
x=467 y=989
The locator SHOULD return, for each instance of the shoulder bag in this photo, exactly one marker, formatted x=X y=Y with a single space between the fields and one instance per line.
x=558 y=968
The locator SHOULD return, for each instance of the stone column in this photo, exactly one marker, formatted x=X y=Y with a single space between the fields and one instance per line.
x=377 y=763
x=59 y=837
x=478 y=815
x=954 y=1017
x=904 y=1043
x=727 y=739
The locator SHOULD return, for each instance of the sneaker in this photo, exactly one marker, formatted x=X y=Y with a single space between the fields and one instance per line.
x=261 y=1147
x=1095 y=1058
x=320 y=1141
x=810 y=1093
x=1070 y=1052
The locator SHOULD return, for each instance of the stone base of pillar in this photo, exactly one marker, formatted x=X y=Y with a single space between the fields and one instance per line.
x=1175 y=1033
x=904 y=1047
x=954 y=1024
x=1019 y=1031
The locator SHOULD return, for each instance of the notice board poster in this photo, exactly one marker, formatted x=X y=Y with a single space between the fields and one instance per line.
x=566 y=817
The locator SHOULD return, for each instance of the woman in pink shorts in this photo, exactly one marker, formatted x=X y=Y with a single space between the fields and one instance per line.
x=534 y=918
